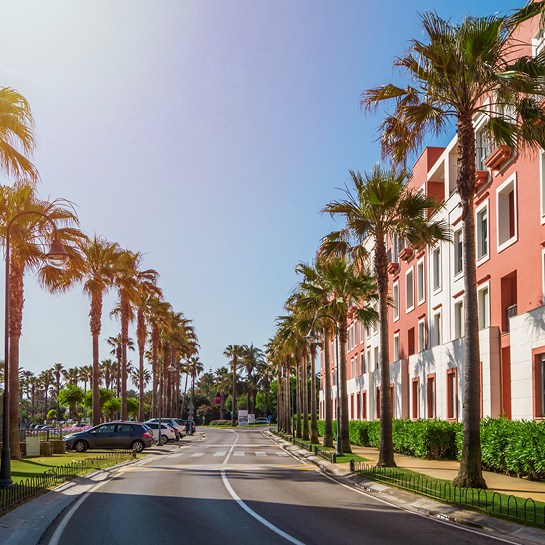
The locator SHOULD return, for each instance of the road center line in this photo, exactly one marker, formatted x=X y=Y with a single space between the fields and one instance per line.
x=254 y=514
x=231 y=449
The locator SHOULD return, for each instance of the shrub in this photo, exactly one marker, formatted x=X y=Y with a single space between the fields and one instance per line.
x=220 y=423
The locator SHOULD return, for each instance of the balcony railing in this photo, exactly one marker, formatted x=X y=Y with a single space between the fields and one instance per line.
x=509 y=313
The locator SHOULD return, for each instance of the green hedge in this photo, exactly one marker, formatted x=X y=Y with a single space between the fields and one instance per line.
x=515 y=447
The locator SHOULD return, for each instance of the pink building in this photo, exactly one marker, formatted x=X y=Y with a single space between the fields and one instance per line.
x=427 y=324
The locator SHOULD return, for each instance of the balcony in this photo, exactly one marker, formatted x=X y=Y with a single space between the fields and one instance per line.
x=393 y=262
x=406 y=254
x=498 y=156
x=481 y=178
x=509 y=313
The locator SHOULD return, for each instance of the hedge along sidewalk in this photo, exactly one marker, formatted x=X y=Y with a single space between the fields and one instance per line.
x=448 y=469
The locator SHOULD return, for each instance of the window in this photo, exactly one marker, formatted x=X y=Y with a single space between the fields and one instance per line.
x=351 y=406
x=421 y=335
x=484 y=307
x=539 y=386
x=377 y=402
x=452 y=394
x=364 y=405
x=409 y=292
x=436 y=261
x=437 y=329
x=420 y=282
x=507 y=213
x=377 y=358
x=431 y=395
x=362 y=363
x=483 y=147
x=458 y=255
x=395 y=250
x=482 y=231
x=396 y=301
x=358 y=405
x=333 y=377
x=415 y=398
x=361 y=333
x=396 y=347
x=459 y=319
x=353 y=366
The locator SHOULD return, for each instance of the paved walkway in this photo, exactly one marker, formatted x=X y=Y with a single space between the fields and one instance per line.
x=448 y=469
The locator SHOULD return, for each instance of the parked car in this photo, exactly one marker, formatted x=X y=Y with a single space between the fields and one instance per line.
x=113 y=435
x=186 y=424
x=175 y=423
x=261 y=420
x=168 y=433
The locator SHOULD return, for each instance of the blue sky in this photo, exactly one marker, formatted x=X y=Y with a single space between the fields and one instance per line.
x=206 y=134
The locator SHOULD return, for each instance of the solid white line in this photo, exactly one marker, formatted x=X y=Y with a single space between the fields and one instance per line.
x=232 y=448
x=55 y=538
x=255 y=515
x=452 y=525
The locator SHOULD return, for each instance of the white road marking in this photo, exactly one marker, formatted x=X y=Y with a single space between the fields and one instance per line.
x=239 y=453
x=231 y=449
x=197 y=455
x=177 y=455
x=55 y=538
x=261 y=454
x=220 y=453
x=282 y=454
x=255 y=515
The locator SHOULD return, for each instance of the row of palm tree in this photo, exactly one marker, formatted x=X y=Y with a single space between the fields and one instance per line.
x=96 y=263
x=460 y=72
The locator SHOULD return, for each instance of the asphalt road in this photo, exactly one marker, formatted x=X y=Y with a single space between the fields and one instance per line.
x=239 y=487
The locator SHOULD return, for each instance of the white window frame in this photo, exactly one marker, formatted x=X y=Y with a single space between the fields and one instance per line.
x=437 y=336
x=512 y=180
x=483 y=313
x=407 y=307
x=436 y=274
x=458 y=248
x=458 y=331
x=420 y=297
x=478 y=238
x=362 y=362
x=422 y=341
x=376 y=356
x=396 y=307
x=362 y=335
x=396 y=347
x=369 y=362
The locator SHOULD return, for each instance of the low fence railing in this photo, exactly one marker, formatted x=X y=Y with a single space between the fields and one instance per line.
x=33 y=485
x=328 y=455
x=489 y=502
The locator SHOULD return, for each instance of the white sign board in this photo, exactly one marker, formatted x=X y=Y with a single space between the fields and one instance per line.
x=251 y=419
x=242 y=418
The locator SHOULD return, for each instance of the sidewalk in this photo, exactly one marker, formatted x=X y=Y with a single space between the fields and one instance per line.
x=448 y=469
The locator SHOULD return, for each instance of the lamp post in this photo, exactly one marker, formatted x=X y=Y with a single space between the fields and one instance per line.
x=56 y=257
x=313 y=338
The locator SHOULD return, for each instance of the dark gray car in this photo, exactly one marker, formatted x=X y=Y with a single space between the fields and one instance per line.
x=114 y=435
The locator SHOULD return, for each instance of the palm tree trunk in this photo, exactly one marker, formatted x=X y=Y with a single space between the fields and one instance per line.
x=345 y=430
x=185 y=392
x=124 y=339
x=234 y=390
x=470 y=470
x=304 y=392
x=313 y=418
x=279 y=401
x=298 y=396
x=328 y=431
x=386 y=451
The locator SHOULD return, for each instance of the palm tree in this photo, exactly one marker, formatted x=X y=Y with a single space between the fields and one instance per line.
x=234 y=352
x=349 y=292
x=459 y=67
x=57 y=371
x=222 y=386
x=86 y=375
x=381 y=206
x=115 y=343
x=16 y=129
x=140 y=383
x=147 y=290
x=252 y=357
x=107 y=370
x=195 y=367
x=47 y=379
x=28 y=238
x=96 y=270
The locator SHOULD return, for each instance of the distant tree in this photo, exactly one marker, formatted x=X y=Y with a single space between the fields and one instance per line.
x=70 y=396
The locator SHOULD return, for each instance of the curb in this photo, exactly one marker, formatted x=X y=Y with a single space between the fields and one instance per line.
x=420 y=505
x=25 y=524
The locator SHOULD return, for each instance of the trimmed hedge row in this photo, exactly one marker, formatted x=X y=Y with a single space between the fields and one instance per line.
x=515 y=447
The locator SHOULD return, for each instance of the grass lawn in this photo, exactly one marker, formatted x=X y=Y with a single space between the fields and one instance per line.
x=30 y=467
x=496 y=503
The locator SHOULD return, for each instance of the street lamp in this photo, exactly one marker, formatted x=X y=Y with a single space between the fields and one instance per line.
x=56 y=257
x=313 y=338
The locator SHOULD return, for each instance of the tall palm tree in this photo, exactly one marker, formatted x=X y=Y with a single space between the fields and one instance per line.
x=57 y=372
x=96 y=270
x=252 y=357
x=453 y=71
x=16 y=130
x=29 y=235
x=71 y=376
x=115 y=343
x=86 y=375
x=108 y=370
x=195 y=367
x=234 y=352
x=350 y=291
x=47 y=379
x=222 y=386
x=380 y=206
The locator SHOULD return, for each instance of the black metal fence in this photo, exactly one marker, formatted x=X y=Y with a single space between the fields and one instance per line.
x=490 y=502
x=328 y=455
x=34 y=485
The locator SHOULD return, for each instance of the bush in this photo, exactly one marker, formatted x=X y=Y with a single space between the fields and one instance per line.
x=220 y=423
